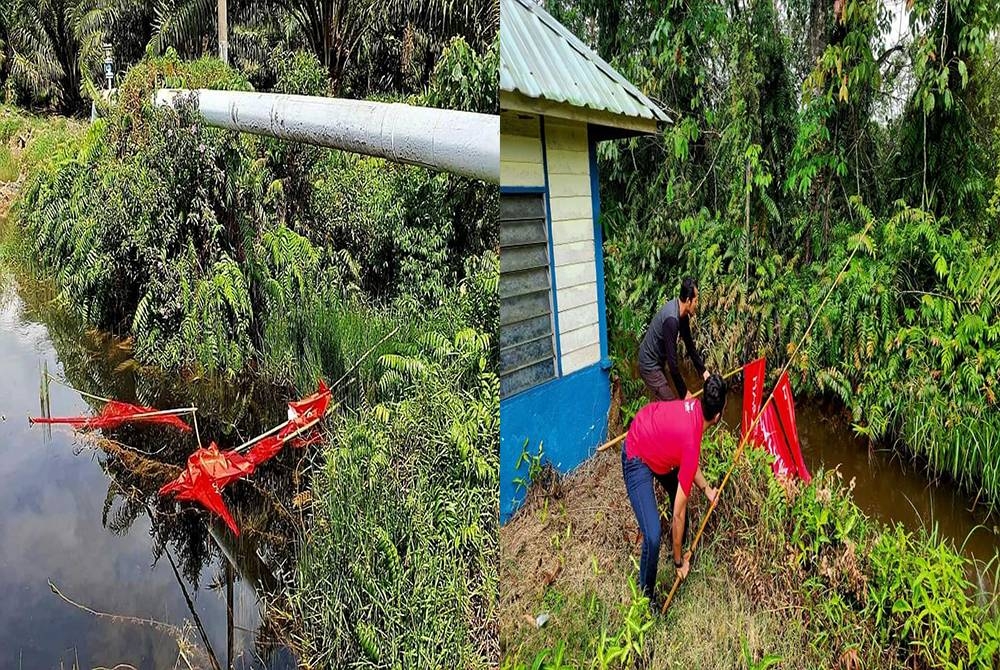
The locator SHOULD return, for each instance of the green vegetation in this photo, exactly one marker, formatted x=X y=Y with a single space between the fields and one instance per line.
x=410 y=579
x=787 y=578
x=238 y=261
x=51 y=51
x=232 y=254
x=794 y=128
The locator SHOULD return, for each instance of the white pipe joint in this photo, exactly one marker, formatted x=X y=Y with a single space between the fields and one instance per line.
x=464 y=143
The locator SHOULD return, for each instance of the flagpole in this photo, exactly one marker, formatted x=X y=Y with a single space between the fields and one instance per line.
x=279 y=427
x=162 y=412
x=612 y=442
x=756 y=420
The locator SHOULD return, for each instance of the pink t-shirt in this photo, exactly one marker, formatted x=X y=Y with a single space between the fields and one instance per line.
x=667 y=435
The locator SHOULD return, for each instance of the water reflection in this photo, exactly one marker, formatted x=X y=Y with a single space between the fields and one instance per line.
x=80 y=516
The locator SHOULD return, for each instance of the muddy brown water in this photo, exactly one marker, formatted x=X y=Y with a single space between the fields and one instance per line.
x=889 y=487
x=63 y=520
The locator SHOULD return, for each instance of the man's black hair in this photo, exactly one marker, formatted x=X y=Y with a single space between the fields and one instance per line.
x=688 y=285
x=714 y=397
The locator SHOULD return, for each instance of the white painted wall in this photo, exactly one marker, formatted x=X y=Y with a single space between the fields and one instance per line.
x=571 y=209
x=520 y=150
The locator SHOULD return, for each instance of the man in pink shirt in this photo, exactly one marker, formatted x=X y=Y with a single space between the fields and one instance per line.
x=664 y=443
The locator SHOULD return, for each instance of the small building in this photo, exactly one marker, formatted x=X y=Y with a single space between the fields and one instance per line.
x=558 y=100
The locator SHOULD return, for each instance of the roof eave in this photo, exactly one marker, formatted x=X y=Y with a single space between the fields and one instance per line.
x=624 y=126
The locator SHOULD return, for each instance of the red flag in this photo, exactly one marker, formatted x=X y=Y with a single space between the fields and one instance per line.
x=207 y=472
x=114 y=414
x=266 y=449
x=753 y=391
x=769 y=435
x=301 y=415
x=311 y=408
x=786 y=414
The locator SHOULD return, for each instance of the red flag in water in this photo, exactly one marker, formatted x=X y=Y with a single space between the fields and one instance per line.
x=753 y=391
x=208 y=471
x=114 y=414
x=786 y=416
x=302 y=414
x=768 y=434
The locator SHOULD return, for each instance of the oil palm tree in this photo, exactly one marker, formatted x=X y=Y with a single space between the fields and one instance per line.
x=338 y=32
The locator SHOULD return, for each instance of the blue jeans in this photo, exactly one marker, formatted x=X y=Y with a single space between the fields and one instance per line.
x=639 y=484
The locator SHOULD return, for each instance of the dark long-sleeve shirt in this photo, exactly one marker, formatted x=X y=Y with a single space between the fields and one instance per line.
x=659 y=346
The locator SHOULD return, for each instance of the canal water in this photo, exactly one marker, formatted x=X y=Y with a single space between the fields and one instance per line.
x=69 y=516
x=889 y=486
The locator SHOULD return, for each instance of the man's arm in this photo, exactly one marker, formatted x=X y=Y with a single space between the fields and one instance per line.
x=670 y=348
x=685 y=329
x=677 y=526
x=702 y=483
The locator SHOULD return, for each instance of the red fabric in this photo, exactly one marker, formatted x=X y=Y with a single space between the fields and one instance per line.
x=114 y=414
x=667 y=435
x=785 y=406
x=301 y=414
x=266 y=449
x=207 y=472
x=753 y=391
x=310 y=408
x=768 y=434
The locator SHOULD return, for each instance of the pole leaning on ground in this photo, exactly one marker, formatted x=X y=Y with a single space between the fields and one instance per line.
x=613 y=441
x=756 y=419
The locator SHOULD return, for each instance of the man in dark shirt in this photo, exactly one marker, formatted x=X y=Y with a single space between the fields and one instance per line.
x=659 y=346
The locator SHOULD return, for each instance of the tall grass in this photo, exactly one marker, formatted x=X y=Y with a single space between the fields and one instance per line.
x=403 y=569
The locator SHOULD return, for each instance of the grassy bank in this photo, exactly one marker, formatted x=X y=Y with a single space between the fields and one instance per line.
x=787 y=576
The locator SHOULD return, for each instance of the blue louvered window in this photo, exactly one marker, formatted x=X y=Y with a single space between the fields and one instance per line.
x=527 y=350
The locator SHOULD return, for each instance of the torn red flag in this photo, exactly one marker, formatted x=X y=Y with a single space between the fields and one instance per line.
x=115 y=414
x=785 y=406
x=207 y=472
x=302 y=415
x=311 y=408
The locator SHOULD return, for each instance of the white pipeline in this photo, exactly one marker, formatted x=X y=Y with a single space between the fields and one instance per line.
x=464 y=143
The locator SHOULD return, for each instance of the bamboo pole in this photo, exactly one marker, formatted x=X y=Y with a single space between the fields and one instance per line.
x=83 y=393
x=301 y=430
x=365 y=355
x=612 y=442
x=164 y=412
x=756 y=420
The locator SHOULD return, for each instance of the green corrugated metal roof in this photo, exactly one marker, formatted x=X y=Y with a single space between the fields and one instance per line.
x=540 y=58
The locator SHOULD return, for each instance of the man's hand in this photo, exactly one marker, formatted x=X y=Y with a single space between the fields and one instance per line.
x=705 y=375
x=682 y=571
x=688 y=396
x=711 y=494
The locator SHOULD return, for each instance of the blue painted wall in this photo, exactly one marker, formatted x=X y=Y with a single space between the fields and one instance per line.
x=568 y=415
